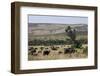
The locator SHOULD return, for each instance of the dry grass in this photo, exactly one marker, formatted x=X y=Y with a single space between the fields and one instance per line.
x=55 y=55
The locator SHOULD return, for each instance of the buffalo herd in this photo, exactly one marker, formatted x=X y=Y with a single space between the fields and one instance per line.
x=46 y=51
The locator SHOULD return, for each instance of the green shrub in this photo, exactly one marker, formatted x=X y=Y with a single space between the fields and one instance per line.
x=77 y=44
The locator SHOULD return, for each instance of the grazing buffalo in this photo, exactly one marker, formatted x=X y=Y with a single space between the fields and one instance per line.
x=69 y=50
x=30 y=48
x=60 y=52
x=33 y=51
x=46 y=52
x=54 y=48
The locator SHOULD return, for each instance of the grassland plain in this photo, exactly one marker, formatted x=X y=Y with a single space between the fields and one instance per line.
x=55 y=54
x=51 y=34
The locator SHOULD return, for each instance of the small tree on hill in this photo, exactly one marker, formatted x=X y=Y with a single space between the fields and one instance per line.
x=72 y=35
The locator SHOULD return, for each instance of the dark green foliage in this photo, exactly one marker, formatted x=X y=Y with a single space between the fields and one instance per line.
x=48 y=42
x=71 y=33
x=84 y=41
x=77 y=44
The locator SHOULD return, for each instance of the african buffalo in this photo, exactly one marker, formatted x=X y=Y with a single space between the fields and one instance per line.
x=46 y=52
x=33 y=51
x=69 y=50
x=60 y=52
x=30 y=48
x=54 y=48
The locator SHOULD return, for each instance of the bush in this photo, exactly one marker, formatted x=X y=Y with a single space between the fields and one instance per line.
x=47 y=42
x=77 y=44
x=85 y=50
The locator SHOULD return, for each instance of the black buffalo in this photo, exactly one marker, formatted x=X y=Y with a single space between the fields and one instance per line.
x=33 y=51
x=60 y=52
x=30 y=48
x=69 y=50
x=46 y=52
x=54 y=48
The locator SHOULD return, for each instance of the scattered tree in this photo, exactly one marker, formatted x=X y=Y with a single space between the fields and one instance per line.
x=72 y=35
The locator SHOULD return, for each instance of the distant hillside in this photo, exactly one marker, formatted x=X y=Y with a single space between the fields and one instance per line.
x=51 y=28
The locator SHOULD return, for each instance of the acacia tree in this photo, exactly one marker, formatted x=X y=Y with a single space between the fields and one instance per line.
x=72 y=34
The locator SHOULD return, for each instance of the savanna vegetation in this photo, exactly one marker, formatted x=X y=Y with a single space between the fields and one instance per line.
x=68 y=45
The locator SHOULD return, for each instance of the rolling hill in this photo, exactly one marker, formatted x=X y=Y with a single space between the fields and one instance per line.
x=35 y=29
